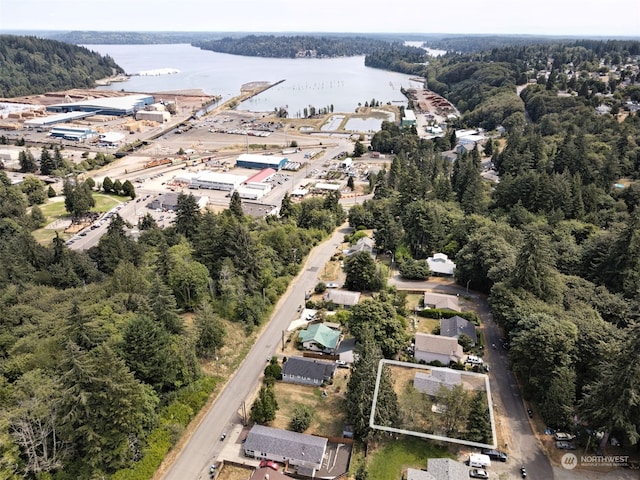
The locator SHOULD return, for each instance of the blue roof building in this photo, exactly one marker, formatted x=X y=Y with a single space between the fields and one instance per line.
x=248 y=160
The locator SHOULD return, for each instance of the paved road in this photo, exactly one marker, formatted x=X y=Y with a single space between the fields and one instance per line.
x=203 y=447
x=522 y=446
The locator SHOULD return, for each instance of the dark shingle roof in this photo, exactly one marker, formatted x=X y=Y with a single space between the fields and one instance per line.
x=456 y=326
x=308 y=368
x=286 y=444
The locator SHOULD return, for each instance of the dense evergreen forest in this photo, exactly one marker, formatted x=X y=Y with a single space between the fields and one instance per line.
x=556 y=243
x=295 y=46
x=30 y=65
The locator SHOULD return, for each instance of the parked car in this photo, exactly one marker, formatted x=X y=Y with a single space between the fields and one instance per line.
x=495 y=454
x=478 y=473
x=563 y=437
x=269 y=463
x=332 y=285
x=342 y=364
x=565 y=446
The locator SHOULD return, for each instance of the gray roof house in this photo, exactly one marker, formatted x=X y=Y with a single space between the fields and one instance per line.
x=307 y=371
x=344 y=298
x=430 y=348
x=430 y=381
x=447 y=469
x=299 y=449
x=441 y=300
x=415 y=474
x=456 y=326
x=364 y=244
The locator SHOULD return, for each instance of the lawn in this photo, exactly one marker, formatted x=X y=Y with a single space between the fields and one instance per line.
x=54 y=210
x=426 y=325
x=390 y=459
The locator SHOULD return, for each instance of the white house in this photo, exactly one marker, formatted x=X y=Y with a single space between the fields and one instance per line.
x=440 y=264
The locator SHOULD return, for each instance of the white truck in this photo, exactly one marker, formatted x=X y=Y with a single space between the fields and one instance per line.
x=479 y=460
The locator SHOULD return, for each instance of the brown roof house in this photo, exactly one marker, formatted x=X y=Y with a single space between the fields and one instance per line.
x=431 y=348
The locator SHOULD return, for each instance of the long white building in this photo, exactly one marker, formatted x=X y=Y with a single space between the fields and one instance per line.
x=216 y=181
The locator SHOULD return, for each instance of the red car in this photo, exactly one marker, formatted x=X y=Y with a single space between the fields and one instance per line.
x=270 y=464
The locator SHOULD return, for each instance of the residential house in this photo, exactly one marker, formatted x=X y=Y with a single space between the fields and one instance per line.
x=307 y=371
x=343 y=298
x=456 y=326
x=364 y=244
x=447 y=469
x=268 y=473
x=299 y=449
x=430 y=348
x=440 y=264
x=320 y=338
x=442 y=301
x=430 y=381
x=463 y=148
x=415 y=474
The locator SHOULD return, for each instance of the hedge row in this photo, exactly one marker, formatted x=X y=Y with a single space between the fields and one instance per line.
x=440 y=313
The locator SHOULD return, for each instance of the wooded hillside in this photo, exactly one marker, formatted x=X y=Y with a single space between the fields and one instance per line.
x=30 y=65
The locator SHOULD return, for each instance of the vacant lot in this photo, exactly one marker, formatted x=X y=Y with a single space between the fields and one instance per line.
x=328 y=413
x=235 y=472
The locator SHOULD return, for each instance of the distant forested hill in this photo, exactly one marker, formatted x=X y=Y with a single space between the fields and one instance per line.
x=133 y=38
x=294 y=46
x=30 y=65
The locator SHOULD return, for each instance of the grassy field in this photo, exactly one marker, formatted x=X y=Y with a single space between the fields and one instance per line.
x=54 y=211
x=390 y=459
x=327 y=411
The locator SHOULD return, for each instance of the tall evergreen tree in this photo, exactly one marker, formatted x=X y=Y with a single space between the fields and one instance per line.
x=360 y=390
x=235 y=205
x=187 y=215
x=102 y=410
x=27 y=161
x=47 y=165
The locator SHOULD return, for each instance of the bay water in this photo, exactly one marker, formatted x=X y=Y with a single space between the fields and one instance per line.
x=343 y=83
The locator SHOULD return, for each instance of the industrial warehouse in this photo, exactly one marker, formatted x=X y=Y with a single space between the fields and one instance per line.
x=117 y=106
x=249 y=160
x=216 y=181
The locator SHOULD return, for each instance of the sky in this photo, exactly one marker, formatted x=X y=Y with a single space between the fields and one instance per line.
x=535 y=17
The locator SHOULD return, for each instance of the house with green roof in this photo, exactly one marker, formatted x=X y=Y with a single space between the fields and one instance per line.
x=320 y=338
